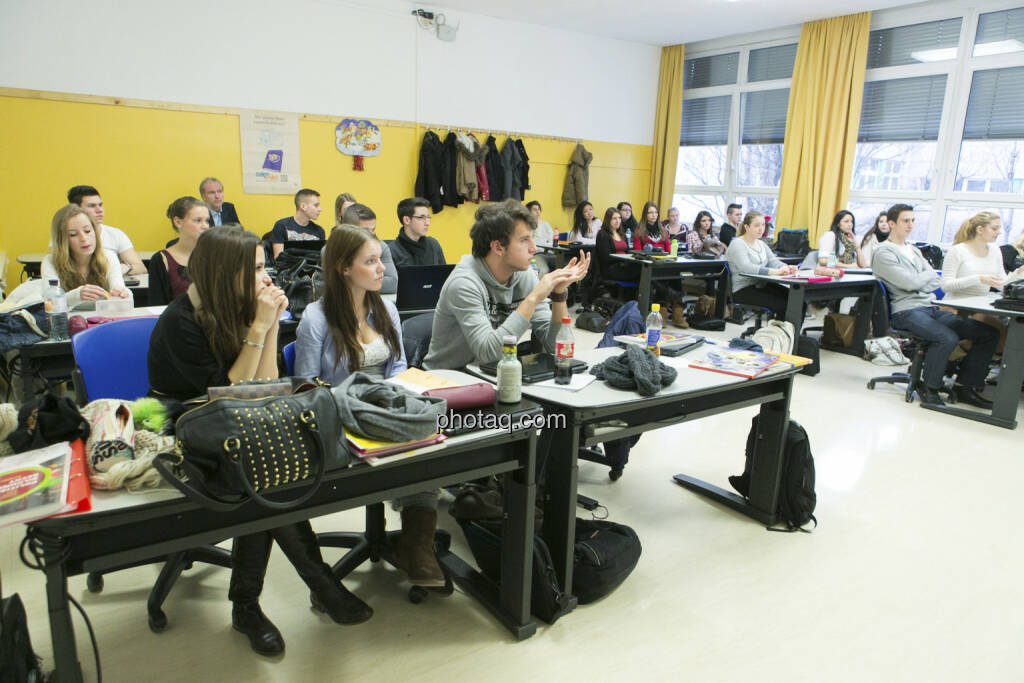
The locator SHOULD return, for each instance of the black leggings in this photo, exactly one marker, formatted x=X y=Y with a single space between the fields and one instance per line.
x=770 y=296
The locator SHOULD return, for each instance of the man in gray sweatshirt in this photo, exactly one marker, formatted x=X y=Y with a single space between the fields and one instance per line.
x=494 y=293
x=910 y=282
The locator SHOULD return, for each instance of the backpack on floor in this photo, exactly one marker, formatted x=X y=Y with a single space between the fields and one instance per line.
x=18 y=662
x=775 y=336
x=809 y=347
x=797 y=499
x=604 y=555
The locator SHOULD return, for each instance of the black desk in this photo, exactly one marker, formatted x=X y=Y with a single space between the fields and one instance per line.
x=125 y=528
x=1011 y=368
x=674 y=269
x=858 y=285
x=695 y=394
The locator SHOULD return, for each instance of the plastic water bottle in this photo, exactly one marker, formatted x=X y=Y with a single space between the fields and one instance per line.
x=510 y=373
x=629 y=239
x=832 y=259
x=675 y=248
x=564 y=348
x=56 y=305
x=534 y=268
x=653 y=341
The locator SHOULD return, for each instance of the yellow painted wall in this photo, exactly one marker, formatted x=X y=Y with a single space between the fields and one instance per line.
x=141 y=159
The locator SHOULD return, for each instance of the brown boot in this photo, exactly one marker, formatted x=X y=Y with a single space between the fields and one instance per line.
x=664 y=315
x=677 y=316
x=414 y=552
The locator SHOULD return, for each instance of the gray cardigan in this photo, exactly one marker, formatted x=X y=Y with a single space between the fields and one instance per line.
x=744 y=261
x=909 y=280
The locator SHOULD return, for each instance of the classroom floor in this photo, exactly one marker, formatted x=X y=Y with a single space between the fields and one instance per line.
x=911 y=575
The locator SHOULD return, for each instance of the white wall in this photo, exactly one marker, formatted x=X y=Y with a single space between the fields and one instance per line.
x=337 y=58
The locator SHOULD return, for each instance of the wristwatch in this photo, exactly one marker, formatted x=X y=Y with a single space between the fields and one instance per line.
x=556 y=297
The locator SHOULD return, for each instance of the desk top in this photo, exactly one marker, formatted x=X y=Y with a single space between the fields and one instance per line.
x=680 y=259
x=598 y=393
x=848 y=278
x=977 y=304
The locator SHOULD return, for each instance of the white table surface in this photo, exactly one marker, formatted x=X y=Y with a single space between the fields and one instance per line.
x=629 y=258
x=848 y=278
x=979 y=304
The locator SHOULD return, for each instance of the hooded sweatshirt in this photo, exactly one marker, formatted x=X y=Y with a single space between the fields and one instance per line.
x=475 y=312
x=908 y=278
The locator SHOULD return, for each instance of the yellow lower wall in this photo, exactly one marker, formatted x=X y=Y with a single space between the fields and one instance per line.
x=141 y=159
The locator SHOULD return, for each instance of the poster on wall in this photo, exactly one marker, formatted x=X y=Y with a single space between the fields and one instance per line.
x=270 y=152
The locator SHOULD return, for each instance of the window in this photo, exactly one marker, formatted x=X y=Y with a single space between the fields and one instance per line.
x=934 y=41
x=706 y=72
x=764 y=128
x=1012 y=220
x=703 y=141
x=690 y=205
x=999 y=33
x=771 y=63
x=992 y=151
x=865 y=214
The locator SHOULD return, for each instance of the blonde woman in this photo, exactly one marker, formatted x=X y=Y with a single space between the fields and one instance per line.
x=748 y=255
x=77 y=260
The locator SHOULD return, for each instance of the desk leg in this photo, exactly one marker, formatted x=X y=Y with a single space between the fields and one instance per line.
x=1011 y=373
x=520 y=492
x=721 y=293
x=62 y=632
x=769 y=452
x=643 y=295
x=795 y=307
x=560 y=483
x=862 y=321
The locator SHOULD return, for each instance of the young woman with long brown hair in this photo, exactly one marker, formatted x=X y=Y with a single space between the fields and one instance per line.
x=168 y=274
x=77 y=260
x=353 y=328
x=224 y=330
x=649 y=230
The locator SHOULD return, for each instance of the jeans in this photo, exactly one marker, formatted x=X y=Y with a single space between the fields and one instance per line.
x=772 y=297
x=943 y=330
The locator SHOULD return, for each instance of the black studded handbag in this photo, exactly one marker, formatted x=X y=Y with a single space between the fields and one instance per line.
x=236 y=450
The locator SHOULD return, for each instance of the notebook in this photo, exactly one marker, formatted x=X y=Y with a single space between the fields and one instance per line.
x=419 y=287
x=536 y=367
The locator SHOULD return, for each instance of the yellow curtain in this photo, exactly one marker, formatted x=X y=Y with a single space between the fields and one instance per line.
x=666 y=127
x=821 y=122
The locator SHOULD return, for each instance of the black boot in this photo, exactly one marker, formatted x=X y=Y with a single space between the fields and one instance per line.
x=249 y=556
x=326 y=593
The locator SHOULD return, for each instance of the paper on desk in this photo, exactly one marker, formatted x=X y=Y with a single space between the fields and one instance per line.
x=418 y=381
x=579 y=380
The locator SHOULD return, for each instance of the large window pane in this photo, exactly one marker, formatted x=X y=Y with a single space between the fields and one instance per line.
x=992 y=152
x=1012 y=221
x=704 y=72
x=703 y=141
x=934 y=41
x=690 y=205
x=771 y=62
x=865 y=213
x=1000 y=33
x=893 y=166
x=764 y=128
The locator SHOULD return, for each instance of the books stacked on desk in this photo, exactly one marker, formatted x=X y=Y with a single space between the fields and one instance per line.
x=744 y=363
x=42 y=483
x=671 y=344
x=371 y=450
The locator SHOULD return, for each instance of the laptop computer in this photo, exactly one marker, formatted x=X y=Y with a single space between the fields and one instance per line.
x=419 y=287
x=537 y=367
x=500 y=415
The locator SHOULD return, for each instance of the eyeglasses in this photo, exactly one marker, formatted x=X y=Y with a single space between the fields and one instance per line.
x=421 y=218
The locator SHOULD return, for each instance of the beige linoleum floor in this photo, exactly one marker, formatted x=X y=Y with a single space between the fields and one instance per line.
x=913 y=574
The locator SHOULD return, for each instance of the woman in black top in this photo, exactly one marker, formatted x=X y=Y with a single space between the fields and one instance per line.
x=224 y=330
x=611 y=239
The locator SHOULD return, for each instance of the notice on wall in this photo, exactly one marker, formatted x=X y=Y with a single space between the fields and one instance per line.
x=270 y=152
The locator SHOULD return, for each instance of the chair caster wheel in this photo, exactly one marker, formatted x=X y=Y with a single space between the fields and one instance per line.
x=447 y=589
x=94 y=582
x=157 y=621
x=871 y=384
x=417 y=594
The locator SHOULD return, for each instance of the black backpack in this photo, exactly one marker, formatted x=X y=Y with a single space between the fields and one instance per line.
x=809 y=347
x=18 y=662
x=604 y=555
x=792 y=243
x=796 y=489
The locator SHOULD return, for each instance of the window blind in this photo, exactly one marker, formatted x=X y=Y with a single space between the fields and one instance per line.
x=704 y=72
x=930 y=42
x=995 y=108
x=771 y=62
x=705 y=121
x=764 y=117
x=903 y=109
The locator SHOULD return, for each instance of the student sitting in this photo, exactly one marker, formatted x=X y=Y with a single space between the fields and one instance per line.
x=114 y=240
x=878 y=233
x=840 y=242
x=364 y=217
x=910 y=282
x=702 y=237
x=728 y=231
x=649 y=231
x=341 y=203
x=300 y=227
x=543 y=236
x=674 y=227
x=611 y=240
x=584 y=225
x=77 y=259
x=748 y=255
x=628 y=219
x=168 y=274
x=413 y=246
x=353 y=328
x=211 y=191
x=223 y=331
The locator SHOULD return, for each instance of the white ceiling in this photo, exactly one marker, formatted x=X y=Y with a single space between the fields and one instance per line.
x=666 y=22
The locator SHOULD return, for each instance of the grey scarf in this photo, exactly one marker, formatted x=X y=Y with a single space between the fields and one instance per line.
x=638 y=369
x=381 y=410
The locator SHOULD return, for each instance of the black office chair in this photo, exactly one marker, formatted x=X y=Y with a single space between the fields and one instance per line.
x=124 y=375
x=911 y=377
x=416 y=333
x=1012 y=260
x=605 y=294
x=742 y=312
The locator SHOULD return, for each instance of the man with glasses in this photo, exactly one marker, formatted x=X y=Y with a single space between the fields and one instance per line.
x=413 y=247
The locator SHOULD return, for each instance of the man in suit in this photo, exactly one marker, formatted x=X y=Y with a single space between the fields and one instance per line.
x=211 y=191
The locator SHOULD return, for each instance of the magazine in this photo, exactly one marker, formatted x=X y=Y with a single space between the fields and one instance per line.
x=34 y=484
x=741 y=363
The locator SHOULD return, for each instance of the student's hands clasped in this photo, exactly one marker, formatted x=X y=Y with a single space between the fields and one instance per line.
x=996 y=281
x=783 y=271
x=94 y=292
x=270 y=305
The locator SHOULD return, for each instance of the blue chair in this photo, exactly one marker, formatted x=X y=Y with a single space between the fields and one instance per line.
x=288 y=353
x=110 y=362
